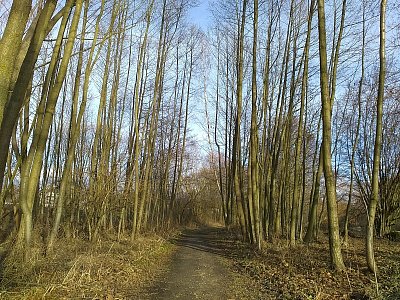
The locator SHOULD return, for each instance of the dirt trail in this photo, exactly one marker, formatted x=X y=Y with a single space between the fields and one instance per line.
x=200 y=269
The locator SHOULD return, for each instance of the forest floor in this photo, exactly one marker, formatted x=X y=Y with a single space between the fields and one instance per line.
x=210 y=263
x=199 y=263
x=304 y=272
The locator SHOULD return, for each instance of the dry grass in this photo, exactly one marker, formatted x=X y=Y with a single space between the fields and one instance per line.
x=78 y=269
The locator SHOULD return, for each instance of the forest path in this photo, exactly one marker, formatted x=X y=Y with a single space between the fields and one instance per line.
x=200 y=269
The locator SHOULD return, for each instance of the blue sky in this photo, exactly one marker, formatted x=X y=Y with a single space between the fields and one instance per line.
x=200 y=14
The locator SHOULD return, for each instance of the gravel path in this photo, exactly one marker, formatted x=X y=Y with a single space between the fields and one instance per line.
x=200 y=269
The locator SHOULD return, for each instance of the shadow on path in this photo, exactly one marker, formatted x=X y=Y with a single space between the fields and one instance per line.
x=215 y=240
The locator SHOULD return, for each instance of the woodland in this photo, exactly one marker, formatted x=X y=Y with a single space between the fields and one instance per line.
x=122 y=123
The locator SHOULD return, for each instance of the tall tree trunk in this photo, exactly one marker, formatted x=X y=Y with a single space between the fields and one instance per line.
x=378 y=143
x=10 y=44
x=236 y=160
x=333 y=223
x=31 y=170
x=23 y=75
x=253 y=193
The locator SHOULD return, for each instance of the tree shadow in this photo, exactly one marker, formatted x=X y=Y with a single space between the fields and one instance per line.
x=215 y=240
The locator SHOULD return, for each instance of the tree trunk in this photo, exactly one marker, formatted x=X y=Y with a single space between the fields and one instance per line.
x=333 y=223
x=378 y=144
